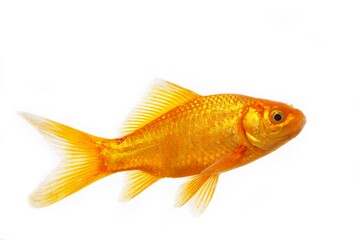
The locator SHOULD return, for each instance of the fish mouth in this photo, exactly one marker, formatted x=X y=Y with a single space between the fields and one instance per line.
x=297 y=128
x=298 y=124
x=301 y=119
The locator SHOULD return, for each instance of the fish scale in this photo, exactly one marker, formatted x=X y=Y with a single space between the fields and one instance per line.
x=181 y=151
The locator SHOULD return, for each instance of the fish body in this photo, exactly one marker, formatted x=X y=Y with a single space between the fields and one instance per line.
x=173 y=133
x=171 y=147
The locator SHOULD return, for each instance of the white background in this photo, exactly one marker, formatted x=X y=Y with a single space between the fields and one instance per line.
x=87 y=63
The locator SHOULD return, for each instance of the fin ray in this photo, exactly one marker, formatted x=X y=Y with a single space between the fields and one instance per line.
x=202 y=198
x=189 y=188
x=137 y=182
x=200 y=190
x=82 y=162
x=162 y=97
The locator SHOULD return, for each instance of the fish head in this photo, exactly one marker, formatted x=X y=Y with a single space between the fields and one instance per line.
x=268 y=125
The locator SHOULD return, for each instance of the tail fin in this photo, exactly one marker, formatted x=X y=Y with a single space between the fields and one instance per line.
x=82 y=162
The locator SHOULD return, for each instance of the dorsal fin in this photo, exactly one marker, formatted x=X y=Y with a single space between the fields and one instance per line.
x=162 y=97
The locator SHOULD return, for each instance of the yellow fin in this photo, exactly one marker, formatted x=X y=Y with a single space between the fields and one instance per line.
x=82 y=162
x=162 y=97
x=137 y=181
x=202 y=198
x=200 y=189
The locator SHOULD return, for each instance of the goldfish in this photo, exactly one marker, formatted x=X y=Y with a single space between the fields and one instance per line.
x=173 y=133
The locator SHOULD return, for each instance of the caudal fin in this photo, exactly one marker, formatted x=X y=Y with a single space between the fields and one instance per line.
x=82 y=162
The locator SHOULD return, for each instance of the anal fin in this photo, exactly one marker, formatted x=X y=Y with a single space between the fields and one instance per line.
x=137 y=181
x=200 y=189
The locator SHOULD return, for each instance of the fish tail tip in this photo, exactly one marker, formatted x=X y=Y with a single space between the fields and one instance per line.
x=31 y=118
x=24 y=114
x=82 y=161
x=35 y=202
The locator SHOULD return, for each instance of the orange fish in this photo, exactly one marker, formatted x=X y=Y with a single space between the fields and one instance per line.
x=173 y=133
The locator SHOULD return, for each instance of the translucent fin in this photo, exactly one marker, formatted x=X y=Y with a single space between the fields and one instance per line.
x=162 y=97
x=82 y=162
x=189 y=188
x=200 y=189
x=137 y=181
x=202 y=198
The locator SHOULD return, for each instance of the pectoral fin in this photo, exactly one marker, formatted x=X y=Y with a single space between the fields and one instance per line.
x=137 y=181
x=227 y=162
x=200 y=189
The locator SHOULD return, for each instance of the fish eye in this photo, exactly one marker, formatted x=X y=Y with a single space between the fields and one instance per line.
x=277 y=116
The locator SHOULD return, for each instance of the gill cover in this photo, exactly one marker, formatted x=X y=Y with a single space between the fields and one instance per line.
x=253 y=126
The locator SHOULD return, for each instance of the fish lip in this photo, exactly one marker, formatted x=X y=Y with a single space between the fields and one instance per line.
x=299 y=124
x=302 y=120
